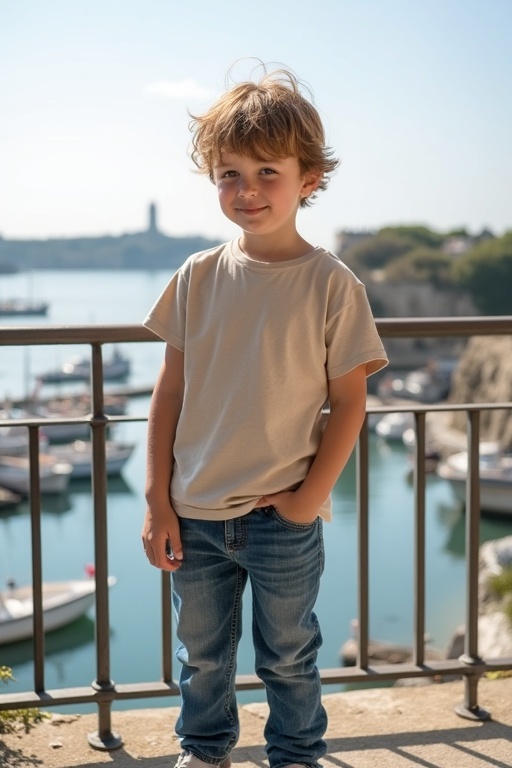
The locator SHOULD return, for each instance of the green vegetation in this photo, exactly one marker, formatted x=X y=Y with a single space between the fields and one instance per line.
x=416 y=254
x=417 y=234
x=422 y=265
x=10 y=718
x=378 y=251
x=499 y=674
x=486 y=273
x=501 y=585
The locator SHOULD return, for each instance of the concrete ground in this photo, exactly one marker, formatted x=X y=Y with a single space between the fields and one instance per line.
x=370 y=728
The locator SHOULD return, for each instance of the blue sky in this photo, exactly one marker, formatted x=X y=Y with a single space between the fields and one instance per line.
x=415 y=97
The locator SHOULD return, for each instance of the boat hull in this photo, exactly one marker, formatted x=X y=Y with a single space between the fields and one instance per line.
x=54 y=475
x=63 y=602
x=79 y=455
x=495 y=480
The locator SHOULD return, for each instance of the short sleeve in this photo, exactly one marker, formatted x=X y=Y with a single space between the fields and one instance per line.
x=167 y=317
x=351 y=336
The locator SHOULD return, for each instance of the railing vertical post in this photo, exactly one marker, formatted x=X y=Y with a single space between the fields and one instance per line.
x=362 y=543
x=103 y=738
x=37 y=560
x=419 y=541
x=469 y=708
x=166 y=628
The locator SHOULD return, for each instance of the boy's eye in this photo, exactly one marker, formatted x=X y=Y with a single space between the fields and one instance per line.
x=267 y=171
x=228 y=174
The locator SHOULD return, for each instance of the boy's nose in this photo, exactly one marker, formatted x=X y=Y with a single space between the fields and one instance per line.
x=247 y=188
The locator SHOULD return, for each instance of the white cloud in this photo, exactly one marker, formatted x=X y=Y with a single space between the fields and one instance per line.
x=182 y=89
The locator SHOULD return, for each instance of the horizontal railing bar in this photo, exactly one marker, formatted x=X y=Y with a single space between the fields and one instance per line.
x=43 y=421
x=389 y=327
x=36 y=335
x=404 y=327
x=377 y=409
x=247 y=682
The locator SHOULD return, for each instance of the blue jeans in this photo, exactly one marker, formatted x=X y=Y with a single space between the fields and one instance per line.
x=284 y=561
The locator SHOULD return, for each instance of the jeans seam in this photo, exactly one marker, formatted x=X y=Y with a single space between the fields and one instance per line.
x=233 y=647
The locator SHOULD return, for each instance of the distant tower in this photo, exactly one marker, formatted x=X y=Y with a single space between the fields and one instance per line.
x=152 y=219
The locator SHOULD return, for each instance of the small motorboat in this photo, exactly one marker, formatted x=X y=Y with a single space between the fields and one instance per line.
x=79 y=369
x=430 y=384
x=54 y=475
x=18 y=307
x=63 y=602
x=79 y=455
x=495 y=473
x=13 y=440
x=8 y=498
x=393 y=425
x=432 y=453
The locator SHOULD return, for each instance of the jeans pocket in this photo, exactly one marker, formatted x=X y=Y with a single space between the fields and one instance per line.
x=293 y=524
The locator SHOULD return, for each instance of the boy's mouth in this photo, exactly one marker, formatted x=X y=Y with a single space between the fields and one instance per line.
x=251 y=211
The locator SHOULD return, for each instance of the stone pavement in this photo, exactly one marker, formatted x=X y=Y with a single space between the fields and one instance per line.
x=369 y=728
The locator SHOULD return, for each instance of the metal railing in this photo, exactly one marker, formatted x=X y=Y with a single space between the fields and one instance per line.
x=103 y=691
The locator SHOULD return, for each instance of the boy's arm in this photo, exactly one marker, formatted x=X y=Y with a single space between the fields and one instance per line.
x=347 y=399
x=161 y=522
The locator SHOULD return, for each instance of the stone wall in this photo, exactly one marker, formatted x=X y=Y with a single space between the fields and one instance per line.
x=409 y=299
x=484 y=374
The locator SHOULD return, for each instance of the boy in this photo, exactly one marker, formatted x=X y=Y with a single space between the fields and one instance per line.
x=260 y=333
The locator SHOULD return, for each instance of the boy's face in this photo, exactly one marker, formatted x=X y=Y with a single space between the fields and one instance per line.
x=262 y=196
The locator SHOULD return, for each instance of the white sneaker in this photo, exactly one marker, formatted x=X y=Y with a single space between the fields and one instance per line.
x=188 y=760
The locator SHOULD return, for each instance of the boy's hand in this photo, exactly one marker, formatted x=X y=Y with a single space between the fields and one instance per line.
x=161 y=538
x=290 y=506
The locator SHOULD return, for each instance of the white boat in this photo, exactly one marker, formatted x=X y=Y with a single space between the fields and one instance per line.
x=432 y=453
x=54 y=475
x=16 y=307
x=495 y=473
x=79 y=455
x=393 y=425
x=63 y=602
x=73 y=407
x=13 y=440
x=8 y=498
x=424 y=385
x=79 y=369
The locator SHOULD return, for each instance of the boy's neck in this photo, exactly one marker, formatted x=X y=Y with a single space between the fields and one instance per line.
x=269 y=249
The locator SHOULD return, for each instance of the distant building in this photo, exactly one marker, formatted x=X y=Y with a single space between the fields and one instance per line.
x=152 y=229
x=346 y=239
x=457 y=245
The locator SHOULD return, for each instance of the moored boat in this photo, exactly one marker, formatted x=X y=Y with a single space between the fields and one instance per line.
x=116 y=368
x=17 y=307
x=392 y=426
x=79 y=455
x=8 y=498
x=495 y=475
x=54 y=475
x=63 y=602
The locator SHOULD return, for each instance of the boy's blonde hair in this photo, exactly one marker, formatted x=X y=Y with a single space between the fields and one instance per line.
x=265 y=119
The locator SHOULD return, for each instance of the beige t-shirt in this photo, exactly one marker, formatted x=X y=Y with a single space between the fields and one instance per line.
x=260 y=341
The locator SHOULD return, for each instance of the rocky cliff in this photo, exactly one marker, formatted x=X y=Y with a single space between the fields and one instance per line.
x=484 y=374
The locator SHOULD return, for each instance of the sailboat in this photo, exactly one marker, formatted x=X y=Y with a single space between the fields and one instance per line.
x=15 y=307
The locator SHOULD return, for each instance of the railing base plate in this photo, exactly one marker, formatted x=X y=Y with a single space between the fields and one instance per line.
x=472 y=713
x=111 y=741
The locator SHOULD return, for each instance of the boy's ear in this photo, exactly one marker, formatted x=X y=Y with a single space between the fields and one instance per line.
x=310 y=182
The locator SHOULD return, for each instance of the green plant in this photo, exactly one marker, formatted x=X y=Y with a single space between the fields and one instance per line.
x=486 y=272
x=501 y=585
x=501 y=673
x=5 y=674
x=12 y=717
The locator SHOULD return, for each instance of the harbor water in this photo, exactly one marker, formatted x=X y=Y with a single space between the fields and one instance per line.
x=111 y=297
